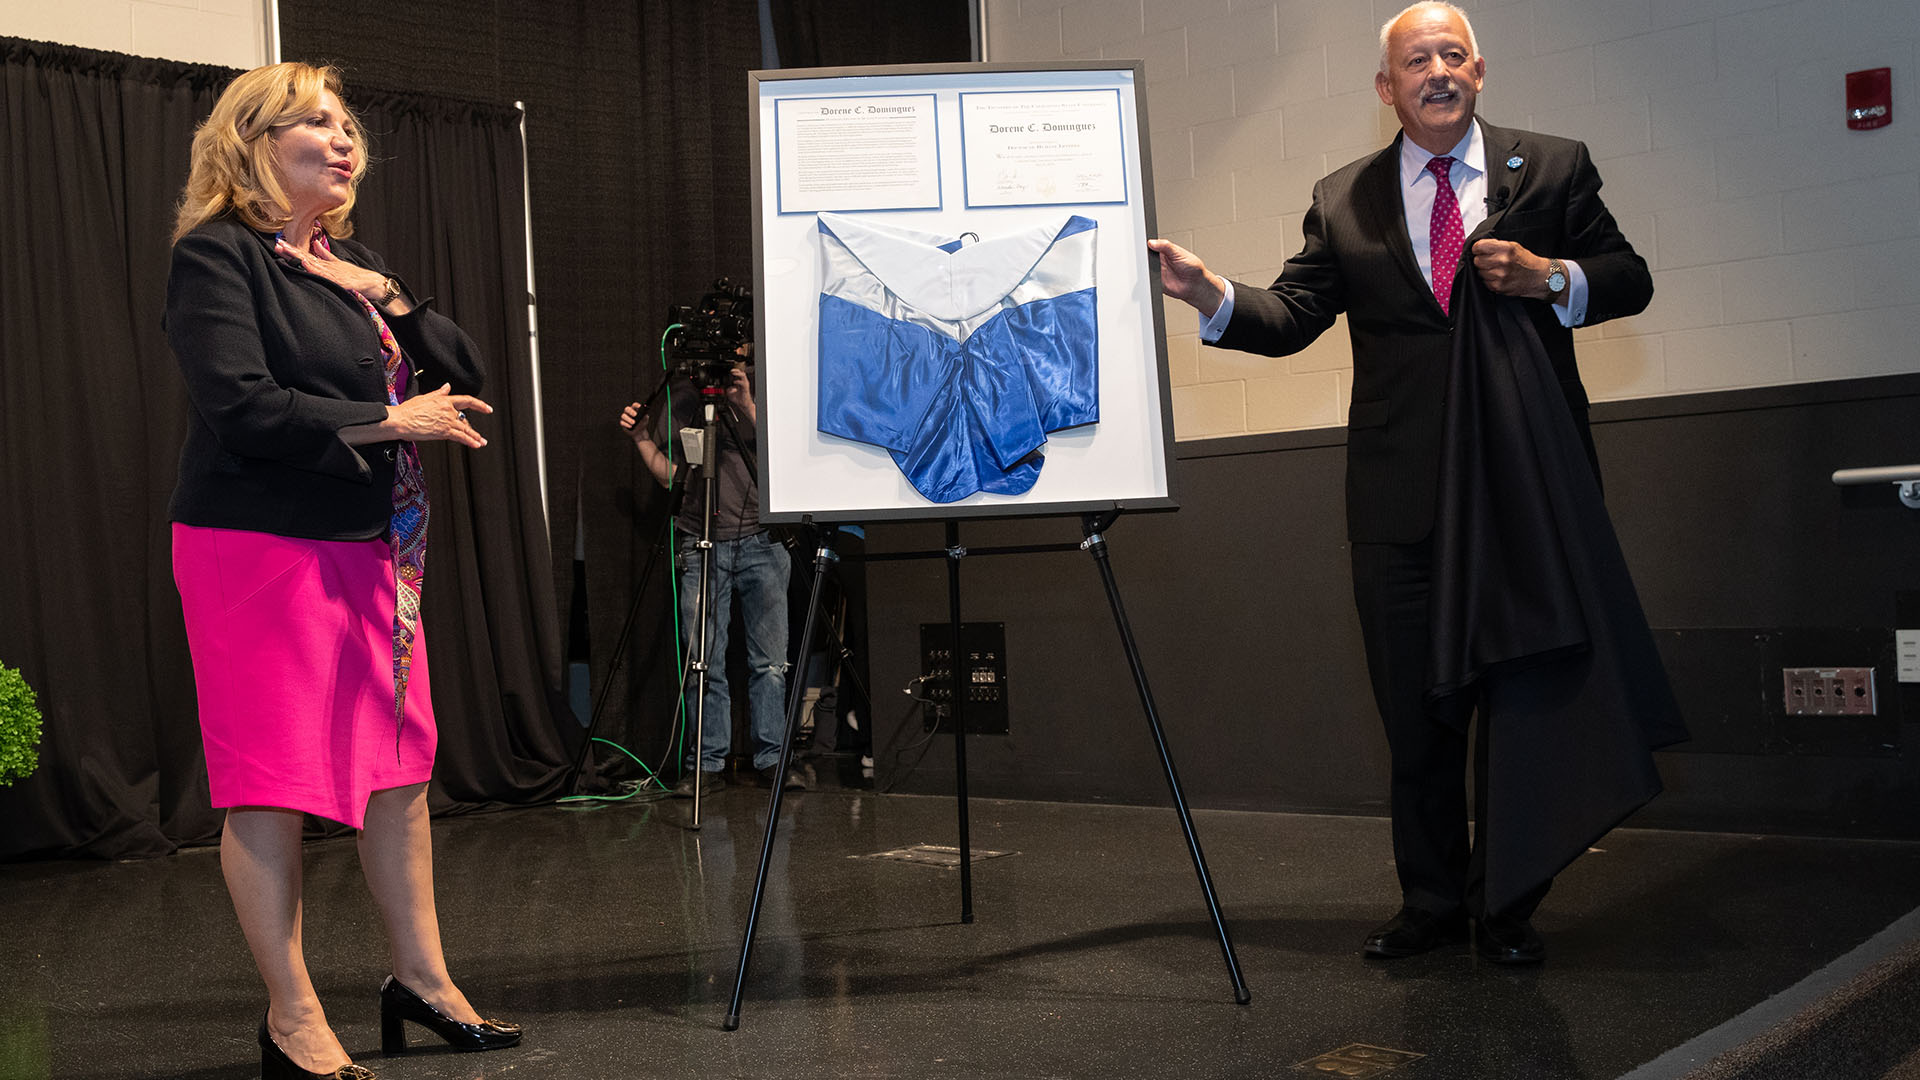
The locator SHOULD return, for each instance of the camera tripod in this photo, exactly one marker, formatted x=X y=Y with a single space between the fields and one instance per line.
x=700 y=664
x=696 y=660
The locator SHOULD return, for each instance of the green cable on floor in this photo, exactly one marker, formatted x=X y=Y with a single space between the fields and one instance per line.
x=637 y=789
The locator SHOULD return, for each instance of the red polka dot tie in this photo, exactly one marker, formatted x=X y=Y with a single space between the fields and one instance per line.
x=1444 y=235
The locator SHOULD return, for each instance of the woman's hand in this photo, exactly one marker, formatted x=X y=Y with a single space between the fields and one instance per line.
x=437 y=415
x=321 y=262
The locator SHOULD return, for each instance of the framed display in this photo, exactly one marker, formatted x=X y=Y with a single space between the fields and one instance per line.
x=956 y=315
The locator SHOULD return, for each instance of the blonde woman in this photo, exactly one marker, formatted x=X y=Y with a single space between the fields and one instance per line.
x=299 y=524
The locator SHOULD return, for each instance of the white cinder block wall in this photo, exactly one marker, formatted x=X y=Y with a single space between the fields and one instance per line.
x=232 y=33
x=1785 y=248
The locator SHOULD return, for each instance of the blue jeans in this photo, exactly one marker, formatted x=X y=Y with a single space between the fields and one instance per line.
x=754 y=569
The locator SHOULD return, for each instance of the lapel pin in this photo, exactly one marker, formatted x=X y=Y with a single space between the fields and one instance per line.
x=1516 y=161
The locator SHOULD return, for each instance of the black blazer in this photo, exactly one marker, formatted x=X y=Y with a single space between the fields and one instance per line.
x=277 y=361
x=1358 y=259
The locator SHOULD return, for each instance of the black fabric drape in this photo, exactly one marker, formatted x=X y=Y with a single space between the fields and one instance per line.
x=640 y=175
x=444 y=203
x=92 y=414
x=636 y=133
x=840 y=33
x=91 y=419
x=694 y=205
x=1534 y=608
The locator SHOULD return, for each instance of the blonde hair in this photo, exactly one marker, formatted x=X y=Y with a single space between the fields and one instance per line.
x=233 y=150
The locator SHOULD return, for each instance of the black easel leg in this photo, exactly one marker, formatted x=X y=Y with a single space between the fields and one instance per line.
x=961 y=681
x=820 y=560
x=1092 y=525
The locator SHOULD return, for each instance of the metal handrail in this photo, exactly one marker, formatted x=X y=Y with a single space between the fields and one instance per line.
x=1889 y=474
x=1904 y=477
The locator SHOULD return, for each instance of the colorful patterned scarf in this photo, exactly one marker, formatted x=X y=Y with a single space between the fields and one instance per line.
x=408 y=533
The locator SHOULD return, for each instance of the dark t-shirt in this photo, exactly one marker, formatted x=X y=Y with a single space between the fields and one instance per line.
x=736 y=492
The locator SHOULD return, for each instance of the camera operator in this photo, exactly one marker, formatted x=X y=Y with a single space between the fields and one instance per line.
x=747 y=563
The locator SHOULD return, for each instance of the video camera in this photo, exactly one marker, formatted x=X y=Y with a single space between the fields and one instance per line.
x=702 y=349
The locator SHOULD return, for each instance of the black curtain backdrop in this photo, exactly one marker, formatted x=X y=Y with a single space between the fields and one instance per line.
x=842 y=33
x=639 y=167
x=93 y=411
x=636 y=136
x=445 y=204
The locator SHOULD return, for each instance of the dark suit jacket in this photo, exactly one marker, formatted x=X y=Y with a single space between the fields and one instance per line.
x=1358 y=259
x=277 y=361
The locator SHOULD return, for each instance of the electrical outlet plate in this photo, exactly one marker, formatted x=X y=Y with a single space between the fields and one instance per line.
x=1812 y=691
x=983 y=673
x=1906 y=644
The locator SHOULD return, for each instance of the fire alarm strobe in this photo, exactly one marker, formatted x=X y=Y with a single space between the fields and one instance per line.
x=1869 y=98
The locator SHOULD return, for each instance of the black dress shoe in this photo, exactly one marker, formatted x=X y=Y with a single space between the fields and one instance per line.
x=276 y=1065
x=397 y=1004
x=1413 y=931
x=794 y=781
x=1509 y=941
x=709 y=782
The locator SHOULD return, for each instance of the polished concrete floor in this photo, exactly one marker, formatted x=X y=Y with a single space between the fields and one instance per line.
x=611 y=932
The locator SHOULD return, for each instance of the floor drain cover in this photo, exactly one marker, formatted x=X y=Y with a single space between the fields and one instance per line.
x=942 y=855
x=1358 y=1060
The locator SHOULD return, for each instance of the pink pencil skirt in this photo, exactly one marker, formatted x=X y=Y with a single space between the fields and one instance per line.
x=292 y=645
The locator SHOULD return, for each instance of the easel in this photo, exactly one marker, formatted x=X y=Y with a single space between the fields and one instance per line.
x=1093 y=527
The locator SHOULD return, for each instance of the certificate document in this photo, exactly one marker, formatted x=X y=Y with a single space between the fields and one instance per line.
x=1041 y=148
x=857 y=153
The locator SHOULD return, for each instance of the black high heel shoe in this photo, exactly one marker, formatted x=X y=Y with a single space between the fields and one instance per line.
x=397 y=1004
x=276 y=1065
